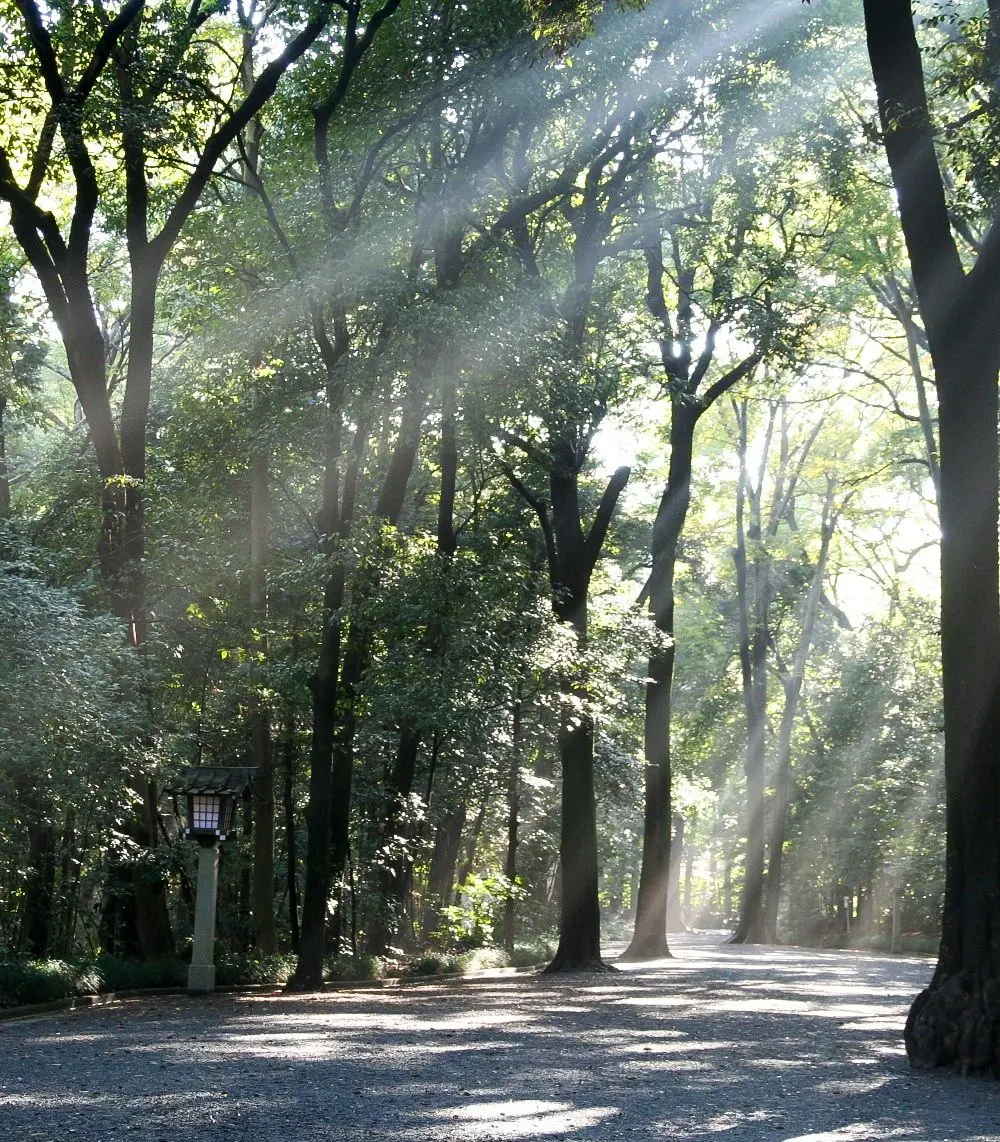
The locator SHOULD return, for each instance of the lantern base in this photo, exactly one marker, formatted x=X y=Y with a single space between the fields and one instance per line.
x=201 y=979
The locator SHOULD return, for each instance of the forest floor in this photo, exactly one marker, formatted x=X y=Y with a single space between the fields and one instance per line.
x=720 y=1043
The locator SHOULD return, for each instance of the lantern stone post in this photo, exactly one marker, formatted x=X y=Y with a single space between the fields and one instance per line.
x=211 y=792
x=201 y=972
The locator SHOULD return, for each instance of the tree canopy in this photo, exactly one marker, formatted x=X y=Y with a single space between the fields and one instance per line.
x=524 y=433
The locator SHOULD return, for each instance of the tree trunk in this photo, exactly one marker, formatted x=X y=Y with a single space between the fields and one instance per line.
x=753 y=597
x=444 y=859
x=289 y=769
x=4 y=473
x=513 y=808
x=649 y=939
x=265 y=929
x=572 y=558
x=684 y=375
x=392 y=874
x=792 y=682
x=955 y=1021
x=675 y=915
x=38 y=913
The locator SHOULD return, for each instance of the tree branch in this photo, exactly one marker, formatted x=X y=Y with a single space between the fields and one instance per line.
x=605 y=510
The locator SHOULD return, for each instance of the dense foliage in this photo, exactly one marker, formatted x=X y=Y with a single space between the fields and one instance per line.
x=344 y=349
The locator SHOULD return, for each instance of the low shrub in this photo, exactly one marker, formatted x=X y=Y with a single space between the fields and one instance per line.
x=133 y=975
x=337 y=968
x=480 y=959
x=430 y=964
x=532 y=954
x=44 y=981
x=236 y=969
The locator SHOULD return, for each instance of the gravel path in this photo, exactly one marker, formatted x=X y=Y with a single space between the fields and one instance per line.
x=720 y=1043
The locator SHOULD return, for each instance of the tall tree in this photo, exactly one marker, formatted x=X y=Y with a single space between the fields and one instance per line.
x=139 y=66
x=954 y=1021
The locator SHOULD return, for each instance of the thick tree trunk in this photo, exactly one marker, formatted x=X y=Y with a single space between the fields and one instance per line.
x=956 y=1020
x=573 y=556
x=579 y=946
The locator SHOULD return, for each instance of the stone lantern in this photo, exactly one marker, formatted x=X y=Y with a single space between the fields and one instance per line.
x=211 y=793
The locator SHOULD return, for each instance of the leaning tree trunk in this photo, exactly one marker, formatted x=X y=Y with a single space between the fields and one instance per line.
x=956 y=1020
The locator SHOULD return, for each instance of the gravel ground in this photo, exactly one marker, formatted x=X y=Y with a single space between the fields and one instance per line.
x=719 y=1043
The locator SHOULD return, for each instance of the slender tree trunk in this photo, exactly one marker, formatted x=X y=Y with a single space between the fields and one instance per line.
x=687 y=404
x=473 y=846
x=675 y=915
x=335 y=690
x=513 y=808
x=289 y=770
x=38 y=912
x=792 y=682
x=444 y=859
x=392 y=874
x=754 y=601
x=4 y=472
x=649 y=939
x=265 y=930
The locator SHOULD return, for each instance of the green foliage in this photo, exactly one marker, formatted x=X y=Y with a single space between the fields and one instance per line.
x=116 y=974
x=475 y=920
x=25 y=982
x=361 y=967
x=240 y=969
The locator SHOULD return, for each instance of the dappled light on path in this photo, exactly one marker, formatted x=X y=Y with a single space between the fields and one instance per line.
x=721 y=1042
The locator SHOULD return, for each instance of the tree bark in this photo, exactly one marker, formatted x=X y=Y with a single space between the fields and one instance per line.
x=955 y=1021
x=675 y=911
x=792 y=681
x=444 y=860
x=754 y=602
x=687 y=405
x=573 y=556
x=513 y=809
x=265 y=929
x=4 y=472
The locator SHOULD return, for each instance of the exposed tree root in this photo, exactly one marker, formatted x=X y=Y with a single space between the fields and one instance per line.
x=956 y=1023
x=639 y=951
x=590 y=965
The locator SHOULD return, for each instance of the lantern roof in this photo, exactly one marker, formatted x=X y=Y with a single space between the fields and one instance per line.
x=234 y=780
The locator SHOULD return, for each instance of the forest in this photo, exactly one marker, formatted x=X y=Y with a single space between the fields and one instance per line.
x=553 y=443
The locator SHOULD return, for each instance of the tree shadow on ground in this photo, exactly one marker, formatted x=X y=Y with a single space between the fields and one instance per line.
x=719 y=1043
